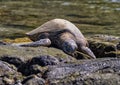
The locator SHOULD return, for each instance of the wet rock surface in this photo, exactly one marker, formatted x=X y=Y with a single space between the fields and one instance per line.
x=51 y=66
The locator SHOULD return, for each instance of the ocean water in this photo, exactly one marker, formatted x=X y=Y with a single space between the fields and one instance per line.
x=91 y=16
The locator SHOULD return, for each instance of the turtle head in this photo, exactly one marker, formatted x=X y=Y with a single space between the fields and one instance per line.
x=69 y=46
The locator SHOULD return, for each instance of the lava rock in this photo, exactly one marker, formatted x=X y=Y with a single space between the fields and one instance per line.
x=44 y=60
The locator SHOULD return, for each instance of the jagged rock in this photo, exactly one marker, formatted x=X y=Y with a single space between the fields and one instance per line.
x=33 y=80
x=7 y=73
x=87 y=72
x=102 y=49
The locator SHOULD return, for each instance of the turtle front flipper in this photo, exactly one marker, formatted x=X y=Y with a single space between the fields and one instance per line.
x=41 y=42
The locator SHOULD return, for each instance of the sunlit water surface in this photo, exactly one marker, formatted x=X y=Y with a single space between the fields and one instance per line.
x=91 y=16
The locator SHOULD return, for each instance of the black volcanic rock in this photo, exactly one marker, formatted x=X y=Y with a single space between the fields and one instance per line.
x=44 y=60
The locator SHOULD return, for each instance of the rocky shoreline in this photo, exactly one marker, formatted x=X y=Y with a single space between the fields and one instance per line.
x=51 y=66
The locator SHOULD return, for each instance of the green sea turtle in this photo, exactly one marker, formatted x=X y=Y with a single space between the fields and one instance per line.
x=61 y=34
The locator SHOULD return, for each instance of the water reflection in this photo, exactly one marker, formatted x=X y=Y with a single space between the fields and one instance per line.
x=115 y=0
x=66 y=3
x=118 y=9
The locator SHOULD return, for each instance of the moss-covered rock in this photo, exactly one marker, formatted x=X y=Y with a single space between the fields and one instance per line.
x=26 y=53
x=104 y=45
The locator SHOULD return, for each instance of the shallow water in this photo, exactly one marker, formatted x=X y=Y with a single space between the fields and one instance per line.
x=90 y=16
